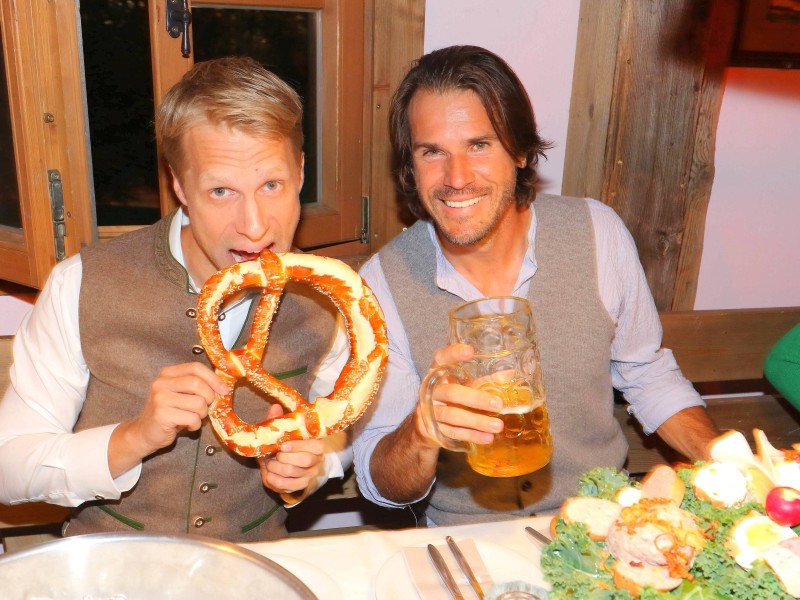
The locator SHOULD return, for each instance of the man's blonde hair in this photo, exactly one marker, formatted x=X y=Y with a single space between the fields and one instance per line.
x=233 y=91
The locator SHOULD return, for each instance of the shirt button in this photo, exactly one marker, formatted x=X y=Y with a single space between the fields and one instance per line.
x=197 y=349
x=210 y=450
x=191 y=313
x=199 y=521
x=526 y=486
x=99 y=497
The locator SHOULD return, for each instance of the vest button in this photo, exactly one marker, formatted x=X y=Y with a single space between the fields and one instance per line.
x=197 y=349
x=205 y=487
x=210 y=450
x=526 y=486
x=191 y=313
x=199 y=521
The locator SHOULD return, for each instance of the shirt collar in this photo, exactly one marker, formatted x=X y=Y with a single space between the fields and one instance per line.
x=450 y=280
x=179 y=221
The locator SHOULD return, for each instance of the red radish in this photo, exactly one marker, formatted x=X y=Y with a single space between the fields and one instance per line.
x=783 y=506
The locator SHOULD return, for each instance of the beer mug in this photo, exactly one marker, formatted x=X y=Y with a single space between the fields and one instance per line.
x=506 y=364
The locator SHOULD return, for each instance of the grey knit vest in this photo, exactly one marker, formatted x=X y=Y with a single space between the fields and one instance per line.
x=137 y=317
x=574 y=332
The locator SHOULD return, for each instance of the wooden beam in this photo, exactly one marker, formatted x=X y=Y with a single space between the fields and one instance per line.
x=642 y=126
x=722 y=19
x=590 y=104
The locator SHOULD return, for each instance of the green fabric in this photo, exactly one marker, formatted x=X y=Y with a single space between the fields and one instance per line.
x=782 y=366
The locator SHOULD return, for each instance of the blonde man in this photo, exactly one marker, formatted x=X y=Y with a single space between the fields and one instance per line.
x=110 y=390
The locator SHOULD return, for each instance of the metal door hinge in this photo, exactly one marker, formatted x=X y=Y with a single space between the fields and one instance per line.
x=57 y=210
x=365 y=219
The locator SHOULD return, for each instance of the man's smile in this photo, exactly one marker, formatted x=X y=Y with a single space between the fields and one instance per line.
x=463 y=203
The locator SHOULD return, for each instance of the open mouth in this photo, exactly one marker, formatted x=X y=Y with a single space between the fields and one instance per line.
x=243 y=255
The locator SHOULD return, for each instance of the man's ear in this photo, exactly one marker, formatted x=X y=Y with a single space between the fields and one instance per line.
x=176 y=187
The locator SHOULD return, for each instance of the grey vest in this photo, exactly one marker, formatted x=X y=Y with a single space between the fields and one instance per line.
x=575 y=334
x=137 y=317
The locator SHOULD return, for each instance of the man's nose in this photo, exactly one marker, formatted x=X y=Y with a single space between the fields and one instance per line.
x=253 y=221
x=459 y=172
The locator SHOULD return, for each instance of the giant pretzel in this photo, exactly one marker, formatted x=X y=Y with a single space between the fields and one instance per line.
x=357 y=382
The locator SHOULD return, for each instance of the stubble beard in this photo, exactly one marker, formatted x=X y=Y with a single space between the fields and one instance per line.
x=469 y=237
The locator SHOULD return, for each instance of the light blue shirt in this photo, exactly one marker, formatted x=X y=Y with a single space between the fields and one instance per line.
x=645 y=373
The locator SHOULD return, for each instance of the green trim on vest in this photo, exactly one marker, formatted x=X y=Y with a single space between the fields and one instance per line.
x=293 y=373
x=132 y=523
x=259 y=520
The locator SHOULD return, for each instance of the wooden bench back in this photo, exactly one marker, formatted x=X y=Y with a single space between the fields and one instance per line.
x=726 y=347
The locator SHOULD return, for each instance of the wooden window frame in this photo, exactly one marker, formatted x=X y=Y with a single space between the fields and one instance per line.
x=336 y=218
x=42 y=52
x=43 y=60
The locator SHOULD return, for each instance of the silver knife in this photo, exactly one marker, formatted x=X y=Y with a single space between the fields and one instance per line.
x=539 y=537
x=444 y=573
x=464 y=566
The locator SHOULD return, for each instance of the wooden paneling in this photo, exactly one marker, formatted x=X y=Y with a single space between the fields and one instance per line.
x=397 y=41
x=641 y=135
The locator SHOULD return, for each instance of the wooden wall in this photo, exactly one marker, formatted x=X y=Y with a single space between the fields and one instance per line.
x=647 y=90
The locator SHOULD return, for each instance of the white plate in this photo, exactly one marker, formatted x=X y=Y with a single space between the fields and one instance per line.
x=394 y=583
x=317 y=580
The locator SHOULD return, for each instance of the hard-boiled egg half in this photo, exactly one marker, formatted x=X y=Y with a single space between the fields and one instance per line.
x=722 y=484
x=752 y=536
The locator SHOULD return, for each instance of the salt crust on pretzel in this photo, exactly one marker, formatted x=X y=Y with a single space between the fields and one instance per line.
x=357 y=383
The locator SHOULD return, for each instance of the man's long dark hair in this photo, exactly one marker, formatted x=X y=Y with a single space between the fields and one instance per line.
x=461 y=68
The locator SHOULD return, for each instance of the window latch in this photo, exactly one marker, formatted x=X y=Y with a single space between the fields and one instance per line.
x=179 y=17
x=57 y=211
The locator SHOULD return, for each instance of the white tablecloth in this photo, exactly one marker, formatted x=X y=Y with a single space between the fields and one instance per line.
x=353 y=560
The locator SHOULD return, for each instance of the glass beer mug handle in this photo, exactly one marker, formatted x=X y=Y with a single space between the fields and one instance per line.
x=432 y=379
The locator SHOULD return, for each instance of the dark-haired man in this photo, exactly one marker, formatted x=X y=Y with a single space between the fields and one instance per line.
x=465 y=150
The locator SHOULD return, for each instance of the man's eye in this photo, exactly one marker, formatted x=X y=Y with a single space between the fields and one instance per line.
x=481 y=145
x=272 y=185
x=219 y=192
x=430 y=152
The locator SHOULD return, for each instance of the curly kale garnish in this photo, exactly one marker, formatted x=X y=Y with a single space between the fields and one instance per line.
x=602 y=482
x=576 y=566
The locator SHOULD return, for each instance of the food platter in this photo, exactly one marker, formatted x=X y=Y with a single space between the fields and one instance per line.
x=690 y=532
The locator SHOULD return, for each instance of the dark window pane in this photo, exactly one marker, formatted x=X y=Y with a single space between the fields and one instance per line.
x=119 y=92
x=9 y=187
x=285 y=42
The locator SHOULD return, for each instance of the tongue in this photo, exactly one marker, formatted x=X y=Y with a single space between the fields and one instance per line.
x=243 y=256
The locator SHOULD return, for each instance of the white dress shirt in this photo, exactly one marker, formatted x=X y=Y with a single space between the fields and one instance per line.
x=40 y=457
x=645 y=373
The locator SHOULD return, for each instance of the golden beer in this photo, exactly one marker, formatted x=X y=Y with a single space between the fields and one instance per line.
x=506 y=364
x=525 y=444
